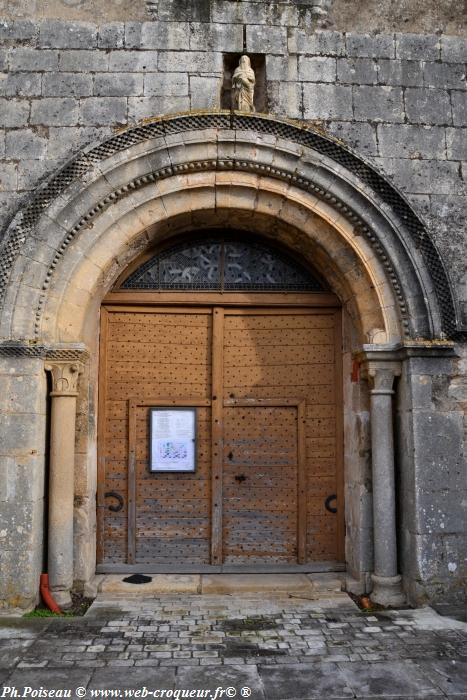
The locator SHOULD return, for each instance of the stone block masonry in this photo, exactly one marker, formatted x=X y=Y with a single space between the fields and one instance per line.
x=21 y=476
x=399 y=98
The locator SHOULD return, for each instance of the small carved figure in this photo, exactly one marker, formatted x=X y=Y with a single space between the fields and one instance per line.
x=243 y=86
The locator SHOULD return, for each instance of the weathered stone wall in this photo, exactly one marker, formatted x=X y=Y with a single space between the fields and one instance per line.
x=22 y=464
x=397 y=98
x=427 y=16
x=431 y=430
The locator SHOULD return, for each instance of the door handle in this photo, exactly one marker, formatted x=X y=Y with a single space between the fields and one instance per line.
x=114 y=507
x=240 y=478
x=327 y=503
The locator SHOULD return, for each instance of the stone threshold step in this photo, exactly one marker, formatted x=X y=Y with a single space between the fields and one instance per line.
x=296 y=584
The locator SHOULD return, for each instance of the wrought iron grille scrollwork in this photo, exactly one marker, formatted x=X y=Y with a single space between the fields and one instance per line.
x=230 y=265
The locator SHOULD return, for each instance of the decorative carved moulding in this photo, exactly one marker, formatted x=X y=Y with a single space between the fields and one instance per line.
x=400 y=351
x=380 y=363
x=406 y=225
x=381 y=376
x=64 y=377
x=55 y=353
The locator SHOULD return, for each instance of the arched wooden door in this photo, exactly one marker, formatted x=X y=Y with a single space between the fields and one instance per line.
x=255 y=374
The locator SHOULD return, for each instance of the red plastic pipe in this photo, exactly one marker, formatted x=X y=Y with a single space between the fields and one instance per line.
x=46 y=594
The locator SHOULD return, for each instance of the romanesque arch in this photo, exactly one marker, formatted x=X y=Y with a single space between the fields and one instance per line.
x=66 y=248
x=152 y=162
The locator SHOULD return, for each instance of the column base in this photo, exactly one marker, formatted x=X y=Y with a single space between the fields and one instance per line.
x=387 y=591
x=62 y=598
x=358 y=586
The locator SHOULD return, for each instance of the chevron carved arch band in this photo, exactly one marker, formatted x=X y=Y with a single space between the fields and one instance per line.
x=301 y=157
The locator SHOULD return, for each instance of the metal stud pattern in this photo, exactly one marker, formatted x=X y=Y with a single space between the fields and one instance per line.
x=267 y=356
x=260 y=474
x=151 y=354
x=278 y=355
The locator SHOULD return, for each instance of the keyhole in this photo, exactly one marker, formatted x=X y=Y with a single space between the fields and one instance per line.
x=230 y=456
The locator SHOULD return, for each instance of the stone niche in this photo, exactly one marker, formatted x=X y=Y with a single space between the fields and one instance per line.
x=258 y=64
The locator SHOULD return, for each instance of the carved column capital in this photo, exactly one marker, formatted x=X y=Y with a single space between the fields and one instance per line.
x=64 y=377
x=380 y=365
x=381 y=376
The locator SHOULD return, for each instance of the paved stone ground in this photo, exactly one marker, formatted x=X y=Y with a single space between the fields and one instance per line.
x=278 y=646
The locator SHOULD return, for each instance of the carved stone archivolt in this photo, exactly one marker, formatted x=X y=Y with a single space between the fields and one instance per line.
x=404 y=225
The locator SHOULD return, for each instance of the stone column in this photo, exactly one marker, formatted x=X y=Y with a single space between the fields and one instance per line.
x=387 y=588
x=61 y=478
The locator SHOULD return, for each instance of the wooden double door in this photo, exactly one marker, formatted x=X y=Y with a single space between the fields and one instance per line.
x=266 y=493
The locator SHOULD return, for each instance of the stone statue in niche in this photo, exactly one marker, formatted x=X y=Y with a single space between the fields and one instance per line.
x=243 y=86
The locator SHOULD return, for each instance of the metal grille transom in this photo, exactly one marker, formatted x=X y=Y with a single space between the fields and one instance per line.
x=230 y=264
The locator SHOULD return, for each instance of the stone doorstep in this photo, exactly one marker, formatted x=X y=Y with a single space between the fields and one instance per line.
x=161 y=583
x=294 y=584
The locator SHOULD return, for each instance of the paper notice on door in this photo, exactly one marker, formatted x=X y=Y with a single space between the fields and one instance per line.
x=173 y=440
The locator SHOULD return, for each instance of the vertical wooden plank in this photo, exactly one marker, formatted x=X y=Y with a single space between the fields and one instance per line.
x=302 y=484
x=217 y=432
x=131 y=483
x=339 y=435
x=101 y=401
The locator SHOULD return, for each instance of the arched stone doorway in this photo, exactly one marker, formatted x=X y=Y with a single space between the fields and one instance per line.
x=66 y=249
x=230 y=332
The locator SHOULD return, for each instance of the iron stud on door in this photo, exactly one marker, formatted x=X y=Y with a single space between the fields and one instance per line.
x=267 y=451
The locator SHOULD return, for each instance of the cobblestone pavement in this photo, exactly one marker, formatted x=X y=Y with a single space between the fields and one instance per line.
x=279 y=647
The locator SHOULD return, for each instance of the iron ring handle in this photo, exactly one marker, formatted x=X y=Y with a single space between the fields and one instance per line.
x=327 y=503
x=114 y=494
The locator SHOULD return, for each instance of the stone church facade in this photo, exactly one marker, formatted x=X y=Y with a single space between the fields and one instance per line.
x=293 y=276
